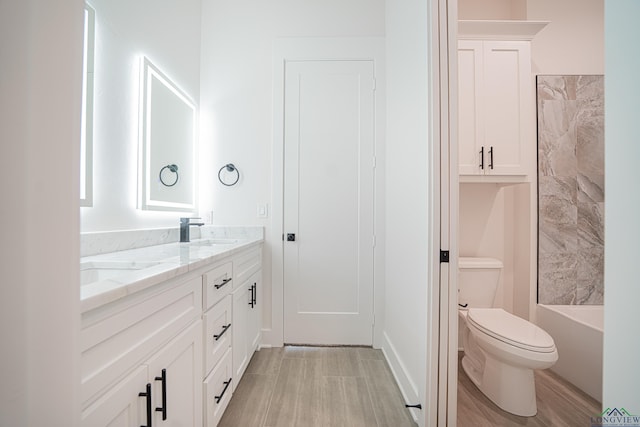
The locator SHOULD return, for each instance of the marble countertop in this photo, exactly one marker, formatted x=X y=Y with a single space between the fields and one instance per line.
x=108 y=277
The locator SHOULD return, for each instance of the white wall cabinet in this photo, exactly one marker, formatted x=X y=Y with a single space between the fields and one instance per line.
x=496 y=128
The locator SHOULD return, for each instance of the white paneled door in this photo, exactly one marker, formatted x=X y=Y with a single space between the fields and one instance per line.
x=329 y=167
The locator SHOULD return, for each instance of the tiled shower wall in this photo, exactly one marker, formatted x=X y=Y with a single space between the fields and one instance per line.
x=570 y=189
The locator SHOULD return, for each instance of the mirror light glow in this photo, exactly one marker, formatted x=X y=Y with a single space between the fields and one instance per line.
x=86 y=120
x=167 y=135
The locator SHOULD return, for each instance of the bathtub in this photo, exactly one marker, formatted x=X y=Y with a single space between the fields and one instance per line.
x=577 y=332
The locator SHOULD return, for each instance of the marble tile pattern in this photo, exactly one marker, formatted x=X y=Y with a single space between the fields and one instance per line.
x=570 y=189
x=108 y=276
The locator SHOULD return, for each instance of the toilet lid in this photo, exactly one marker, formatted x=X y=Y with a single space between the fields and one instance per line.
x=511 y=329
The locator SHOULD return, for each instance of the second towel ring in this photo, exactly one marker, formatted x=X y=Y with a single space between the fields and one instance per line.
x=172 y=168
x=230 y=167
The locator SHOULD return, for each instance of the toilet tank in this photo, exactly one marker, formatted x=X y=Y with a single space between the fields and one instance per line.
x=478 y=281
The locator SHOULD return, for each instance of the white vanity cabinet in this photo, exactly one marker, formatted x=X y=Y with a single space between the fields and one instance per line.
x=168 y=383
x=232 y=328
x=218 y=331
x=247 y=312
x=142 y=357
x=218 y=389
x=165 y=354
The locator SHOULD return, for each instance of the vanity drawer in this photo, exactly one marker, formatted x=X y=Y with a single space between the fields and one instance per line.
x=245 y=265
x=217 y=284
x=217 y=332
x=114 y=340
x=217 y=390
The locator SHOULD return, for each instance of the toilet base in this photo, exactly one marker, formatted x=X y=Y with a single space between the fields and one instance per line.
x=512 y=388
x=503 y=372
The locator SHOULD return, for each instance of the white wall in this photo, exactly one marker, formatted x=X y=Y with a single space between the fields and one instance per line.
x=237 y=101
x=492 y=9
x=407 y=195
x=40 y=85
x=237 y=86
x=168 y=33
x=573 y=43
x=621 y=377
x=483 y=231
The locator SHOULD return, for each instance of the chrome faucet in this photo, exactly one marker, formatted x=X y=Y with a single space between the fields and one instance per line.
x=185 y=225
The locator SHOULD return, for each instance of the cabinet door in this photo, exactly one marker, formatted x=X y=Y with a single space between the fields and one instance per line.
x=218 y=330
x=122 y=405
x=218 y=388
x=217 y=284
x=470 y=123
x=241 y=301
x=181 y=360
x=254 y=319
x=507 y=106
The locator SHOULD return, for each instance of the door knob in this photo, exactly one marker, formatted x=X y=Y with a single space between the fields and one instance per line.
x=291 y=237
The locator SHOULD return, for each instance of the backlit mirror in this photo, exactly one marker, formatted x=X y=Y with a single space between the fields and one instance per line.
x=86 y=129
x=167 y=144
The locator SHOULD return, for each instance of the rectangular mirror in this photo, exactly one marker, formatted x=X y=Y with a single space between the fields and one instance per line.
x=86 y=121
x=167 y=166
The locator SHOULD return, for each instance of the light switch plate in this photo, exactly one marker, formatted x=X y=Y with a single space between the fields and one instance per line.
x=263 y=210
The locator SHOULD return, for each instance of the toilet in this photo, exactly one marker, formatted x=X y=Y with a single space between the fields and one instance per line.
x=501 y=350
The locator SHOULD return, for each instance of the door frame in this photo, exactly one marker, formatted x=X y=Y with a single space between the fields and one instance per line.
x=443 y=328
x=331 y=48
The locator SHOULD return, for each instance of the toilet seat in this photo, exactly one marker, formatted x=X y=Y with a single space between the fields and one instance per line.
x=510 y=329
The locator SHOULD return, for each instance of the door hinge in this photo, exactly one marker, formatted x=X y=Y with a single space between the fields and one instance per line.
x=374 y=84
x=444 y=256
x=374 y=240
x=374 y=162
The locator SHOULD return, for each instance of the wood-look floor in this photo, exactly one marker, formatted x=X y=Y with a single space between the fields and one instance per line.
x=560 y=404
x=353 y=387
x=317 y=386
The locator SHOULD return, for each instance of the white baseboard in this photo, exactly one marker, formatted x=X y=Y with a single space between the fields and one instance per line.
x=407 y=387
x=269 y=339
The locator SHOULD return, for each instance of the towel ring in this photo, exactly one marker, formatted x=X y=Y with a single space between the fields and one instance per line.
x=172 y=168
x=230 y=167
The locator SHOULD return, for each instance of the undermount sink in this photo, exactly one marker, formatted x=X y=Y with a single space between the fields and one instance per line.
x=95 y=271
